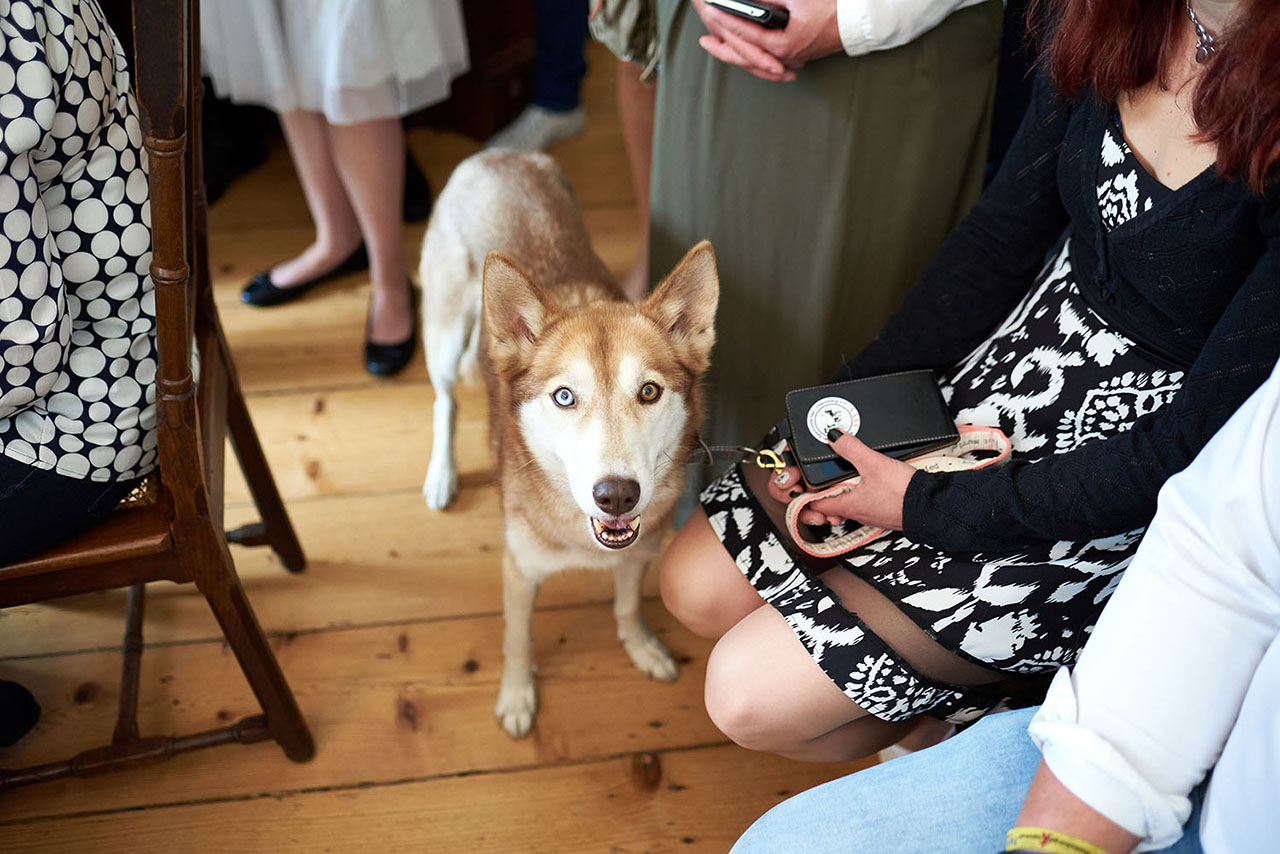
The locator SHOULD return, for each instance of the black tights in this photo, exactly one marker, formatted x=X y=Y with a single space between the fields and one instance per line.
x=878 y=613
x=40 y=508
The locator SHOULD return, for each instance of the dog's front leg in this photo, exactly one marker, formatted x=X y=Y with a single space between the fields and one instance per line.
x=444 y=348
x=646 y=651
x=517 y=698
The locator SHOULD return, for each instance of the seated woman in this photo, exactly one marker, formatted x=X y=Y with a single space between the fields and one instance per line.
x=1144 y=171
x=77 y=308
x=1126 y=738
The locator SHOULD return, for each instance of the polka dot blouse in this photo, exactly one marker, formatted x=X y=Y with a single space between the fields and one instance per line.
x=77 y=310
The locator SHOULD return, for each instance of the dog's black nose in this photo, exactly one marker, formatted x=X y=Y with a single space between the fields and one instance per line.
x=616 y=495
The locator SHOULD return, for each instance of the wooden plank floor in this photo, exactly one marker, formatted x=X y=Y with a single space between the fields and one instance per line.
x=392 y=638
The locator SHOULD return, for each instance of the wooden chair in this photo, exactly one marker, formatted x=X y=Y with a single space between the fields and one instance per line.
x=177 y=534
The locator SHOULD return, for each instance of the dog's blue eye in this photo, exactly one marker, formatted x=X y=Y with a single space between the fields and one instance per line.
x=563 y=397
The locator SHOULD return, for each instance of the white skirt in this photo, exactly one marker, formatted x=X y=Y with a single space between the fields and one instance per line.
x=353 y=60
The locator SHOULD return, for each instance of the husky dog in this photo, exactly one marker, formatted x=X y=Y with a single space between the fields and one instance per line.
x=593 y=400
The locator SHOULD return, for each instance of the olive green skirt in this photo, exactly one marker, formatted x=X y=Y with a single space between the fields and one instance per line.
x=824 y=197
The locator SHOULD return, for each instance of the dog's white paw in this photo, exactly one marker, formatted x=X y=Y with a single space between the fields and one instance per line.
x=441 y=485
x=652 y=658
x=517 y=706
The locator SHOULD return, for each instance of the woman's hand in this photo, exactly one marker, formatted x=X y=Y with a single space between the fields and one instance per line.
x=812 y=32
x=875 y=500
x=725 y=44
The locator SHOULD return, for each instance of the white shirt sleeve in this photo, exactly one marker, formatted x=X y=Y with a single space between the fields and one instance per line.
x=1239 y=811
x=1144 y=714
x=870 y=25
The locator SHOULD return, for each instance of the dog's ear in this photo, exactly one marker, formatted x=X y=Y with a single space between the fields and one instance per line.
x=514 y=309
x=684 y=305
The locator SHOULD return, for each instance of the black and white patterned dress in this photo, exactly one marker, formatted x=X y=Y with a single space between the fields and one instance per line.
x=1052 y=376
x=77 y=310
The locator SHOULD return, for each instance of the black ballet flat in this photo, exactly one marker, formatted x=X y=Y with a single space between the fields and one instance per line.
x=386 y=360
x=262 y=292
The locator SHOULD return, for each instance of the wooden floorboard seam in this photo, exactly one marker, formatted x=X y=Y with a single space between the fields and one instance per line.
x=290 y=634
x=312 y=391
x=364 y=493
x=367 y=784
x=253 y=228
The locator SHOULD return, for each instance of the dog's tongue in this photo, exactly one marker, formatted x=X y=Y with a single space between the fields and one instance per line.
x=616 y=524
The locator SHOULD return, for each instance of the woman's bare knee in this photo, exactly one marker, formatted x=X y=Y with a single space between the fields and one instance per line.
x=761 y=717
x=700 y=584
x=765 y=692
x=737 y=702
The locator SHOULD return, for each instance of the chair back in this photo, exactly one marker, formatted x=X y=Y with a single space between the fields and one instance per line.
x=180 y=537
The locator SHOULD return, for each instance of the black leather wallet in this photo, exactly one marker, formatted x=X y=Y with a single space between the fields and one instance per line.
x=901 y=415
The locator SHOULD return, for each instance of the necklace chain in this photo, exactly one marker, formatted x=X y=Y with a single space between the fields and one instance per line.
x=1204 y=41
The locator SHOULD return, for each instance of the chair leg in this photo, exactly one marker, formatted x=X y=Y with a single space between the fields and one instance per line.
x=224 y=593
x=131 y=668
x=275 y=528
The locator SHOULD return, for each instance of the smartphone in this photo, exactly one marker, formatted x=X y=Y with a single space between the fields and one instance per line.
x=769 y=17
x=819 y=475
x=816 y=476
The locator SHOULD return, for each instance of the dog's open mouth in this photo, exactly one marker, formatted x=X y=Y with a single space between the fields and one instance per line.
x=615 y=533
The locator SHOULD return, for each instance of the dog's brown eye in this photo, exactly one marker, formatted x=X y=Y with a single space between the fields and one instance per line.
x=650 y=392
x=563 y=397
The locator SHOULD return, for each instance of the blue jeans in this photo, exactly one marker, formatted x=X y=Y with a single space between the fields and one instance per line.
x=560 y=62
x=959 y=797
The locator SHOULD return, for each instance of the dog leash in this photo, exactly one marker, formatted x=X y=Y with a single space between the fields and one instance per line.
x=962 y=455
x=705 y=455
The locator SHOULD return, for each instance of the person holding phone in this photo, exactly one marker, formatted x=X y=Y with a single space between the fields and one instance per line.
x=1147 y=173
x=769 y=17
x=764 y=41
x=1118 y=752
x=849 y=165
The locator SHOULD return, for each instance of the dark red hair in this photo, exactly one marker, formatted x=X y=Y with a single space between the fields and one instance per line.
x=1117 y=45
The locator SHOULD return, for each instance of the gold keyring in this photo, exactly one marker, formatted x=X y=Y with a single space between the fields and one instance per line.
x=767 y=459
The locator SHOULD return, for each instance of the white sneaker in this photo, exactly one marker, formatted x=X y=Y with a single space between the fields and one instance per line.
x=537 y=128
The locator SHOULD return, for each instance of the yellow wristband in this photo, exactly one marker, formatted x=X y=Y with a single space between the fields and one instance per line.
x=1041 y=839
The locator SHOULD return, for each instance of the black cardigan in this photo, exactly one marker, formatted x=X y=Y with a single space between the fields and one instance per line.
x=1195 y=279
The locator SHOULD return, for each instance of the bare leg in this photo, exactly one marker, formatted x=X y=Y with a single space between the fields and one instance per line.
x=636 y=103
x=704 y=589
x=854 y=740
x=763 y=689
x=927 y=732
x=337 y=231
x=765 y=692
x=370 y=161
x=701 y=585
